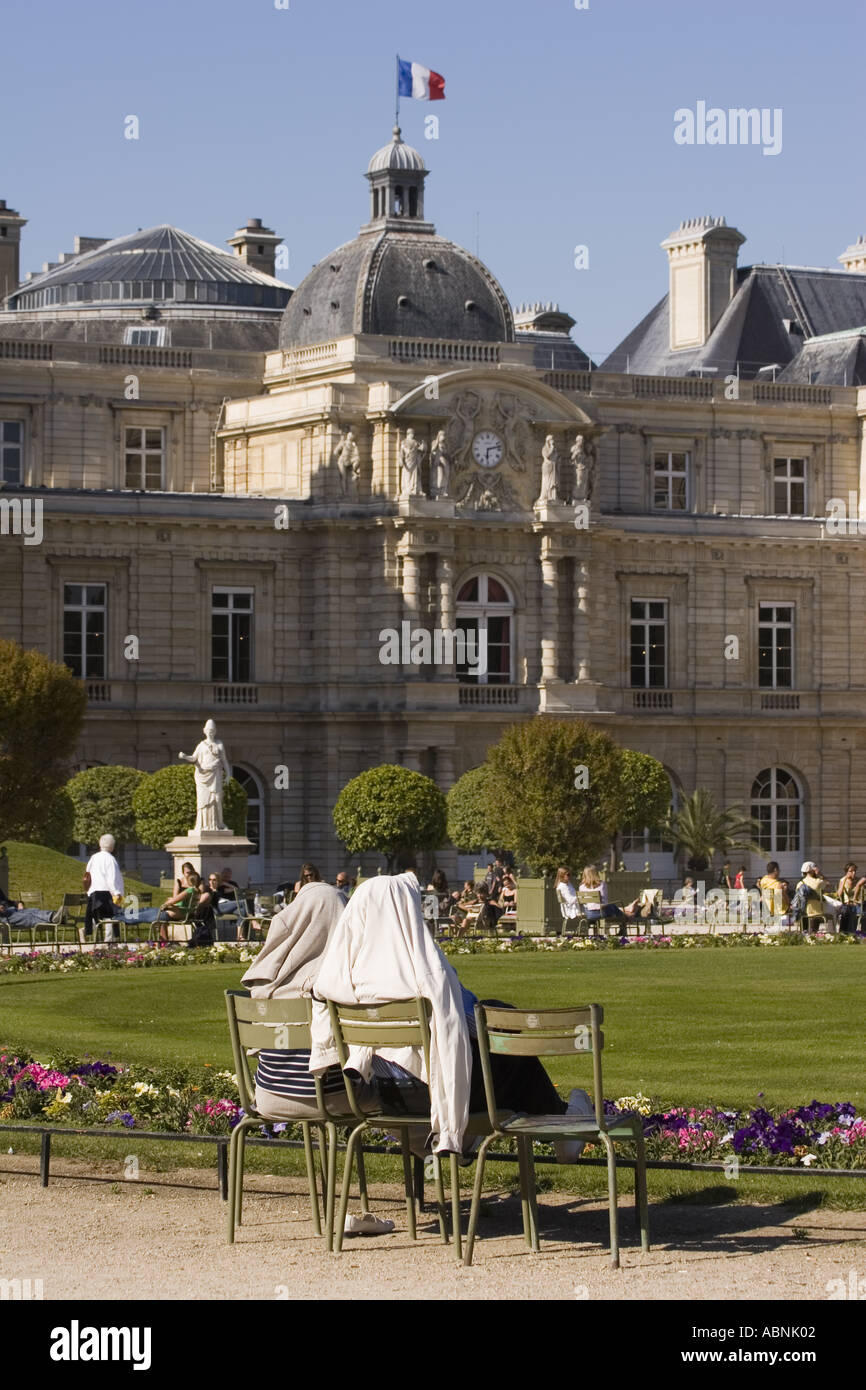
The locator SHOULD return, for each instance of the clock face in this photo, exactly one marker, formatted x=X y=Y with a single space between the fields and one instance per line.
x=487 y=449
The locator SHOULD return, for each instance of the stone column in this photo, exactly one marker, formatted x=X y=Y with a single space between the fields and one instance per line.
x=447 y=618
x=411 y=601
x=580 y=629
x=549 y=614
x=445 y=768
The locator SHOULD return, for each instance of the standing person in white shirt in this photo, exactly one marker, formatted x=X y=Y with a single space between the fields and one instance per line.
x=103 y=882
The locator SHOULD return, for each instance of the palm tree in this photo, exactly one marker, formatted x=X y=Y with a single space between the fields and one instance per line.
x=700 y=830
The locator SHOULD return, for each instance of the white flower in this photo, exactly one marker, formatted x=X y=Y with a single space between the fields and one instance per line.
x=809 y=1158
x=173 y=1092
x=142 y=1088
x=823 y=1137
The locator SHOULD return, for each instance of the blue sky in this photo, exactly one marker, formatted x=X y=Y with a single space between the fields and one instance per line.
x=556 y=131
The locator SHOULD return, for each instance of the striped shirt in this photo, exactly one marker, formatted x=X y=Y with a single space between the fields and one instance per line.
x=288 y=1073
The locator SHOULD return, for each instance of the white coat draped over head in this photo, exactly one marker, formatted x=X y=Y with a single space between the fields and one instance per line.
x=380 y=951
x=287 y=966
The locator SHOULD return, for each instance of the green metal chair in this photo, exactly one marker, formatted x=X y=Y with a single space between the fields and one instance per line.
x=547 y=1033
x=403 y=1023
x=280 y=1025
x=74 y=915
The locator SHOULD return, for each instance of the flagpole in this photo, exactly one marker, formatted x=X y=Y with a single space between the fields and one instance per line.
x=397 y=93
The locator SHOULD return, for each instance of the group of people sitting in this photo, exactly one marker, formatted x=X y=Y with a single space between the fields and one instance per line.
x=376 y=948
x=813 y=900
x=478 y=905
x=589 y=900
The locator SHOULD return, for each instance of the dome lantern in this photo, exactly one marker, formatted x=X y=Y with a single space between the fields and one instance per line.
x=396 y=174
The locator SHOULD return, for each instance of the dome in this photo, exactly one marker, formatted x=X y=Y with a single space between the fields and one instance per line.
x=409 y=284
x=161 y=265
x=396 y=156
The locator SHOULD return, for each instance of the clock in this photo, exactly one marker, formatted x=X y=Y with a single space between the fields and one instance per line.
x=487 y=449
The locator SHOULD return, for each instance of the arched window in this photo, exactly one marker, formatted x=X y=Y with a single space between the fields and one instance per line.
x=485 y=613
x=255 y=819
x=777 y=806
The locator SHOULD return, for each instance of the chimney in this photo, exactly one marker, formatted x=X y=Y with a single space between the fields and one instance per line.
x=10 y=246
x=702 y=254
x=855 y=257
x=256 y=245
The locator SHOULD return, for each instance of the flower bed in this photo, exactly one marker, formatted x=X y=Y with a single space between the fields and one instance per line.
x=177 y=1100
x=163 y=954
x=125 y=958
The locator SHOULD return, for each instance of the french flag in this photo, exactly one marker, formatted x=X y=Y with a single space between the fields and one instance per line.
x=419 y=82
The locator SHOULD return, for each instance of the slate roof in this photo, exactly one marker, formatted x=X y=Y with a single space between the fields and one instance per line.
x=775 y=313
x=158 y=264
x=357 y=289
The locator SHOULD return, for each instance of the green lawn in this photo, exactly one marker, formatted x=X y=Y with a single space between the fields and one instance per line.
x=682 y=1027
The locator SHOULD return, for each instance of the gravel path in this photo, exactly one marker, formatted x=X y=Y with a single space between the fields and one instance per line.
x=90 y=1236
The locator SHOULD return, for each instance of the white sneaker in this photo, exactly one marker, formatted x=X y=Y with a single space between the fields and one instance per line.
x=569 y=1150
x=367 y=1225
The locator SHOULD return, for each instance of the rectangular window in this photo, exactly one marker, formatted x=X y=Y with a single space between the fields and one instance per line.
x=648 y=643
x=84 y=625
x=11 y=452
x=232 y=635
x=145 y=337
x=789 y=487
x=144 y=458
x=776 y=646
x=671 y=481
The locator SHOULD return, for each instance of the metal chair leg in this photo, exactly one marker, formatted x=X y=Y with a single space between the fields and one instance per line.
x=611 y=1199
x=311 y=1178
x=531 y=1196
x=408 y=1184
x=455 y=1208
x=239 y=1185
x=640 y=1192
x=233 y=1177
x=476 y=1200
x=440 y=1198
x=524 y=1193
x=331 y=1185
x=340 y=1226
x=362 y=1180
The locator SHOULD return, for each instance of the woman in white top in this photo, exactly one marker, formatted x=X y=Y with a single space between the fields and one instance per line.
x=566 y=895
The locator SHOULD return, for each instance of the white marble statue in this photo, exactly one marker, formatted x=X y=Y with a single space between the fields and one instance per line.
x=411 y=454
x=583 y=458
x=548 y=470
x=440 y=467
x=212 y=771
x=349 y=464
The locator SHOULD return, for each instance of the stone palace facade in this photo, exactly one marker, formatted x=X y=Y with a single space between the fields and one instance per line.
x=257 y=485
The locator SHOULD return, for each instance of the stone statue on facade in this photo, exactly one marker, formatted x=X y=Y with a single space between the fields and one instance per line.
x=583 y=458
x=411 y=454
x=548 y=470
x=212 y=771
x=440 y=467
x=349 y=464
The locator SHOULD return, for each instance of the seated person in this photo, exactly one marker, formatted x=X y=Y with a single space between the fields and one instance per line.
x=684 y=909
x=508 y=894
x=17 y=915
x=646 y=905
x=183 y=882
x=592 y=895
x=774 y=898
x=309 y=874
x=489 y=911
x=566 y=895
x=202 y=919
x=439 y=885
x=379 y=950
x=225 y=895
x=175 y=909
x=463 y=903
x=818 y=901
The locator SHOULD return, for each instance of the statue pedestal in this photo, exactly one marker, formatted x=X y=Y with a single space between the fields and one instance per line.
x=431 y=507
x=211 y=851
x=554 y=511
